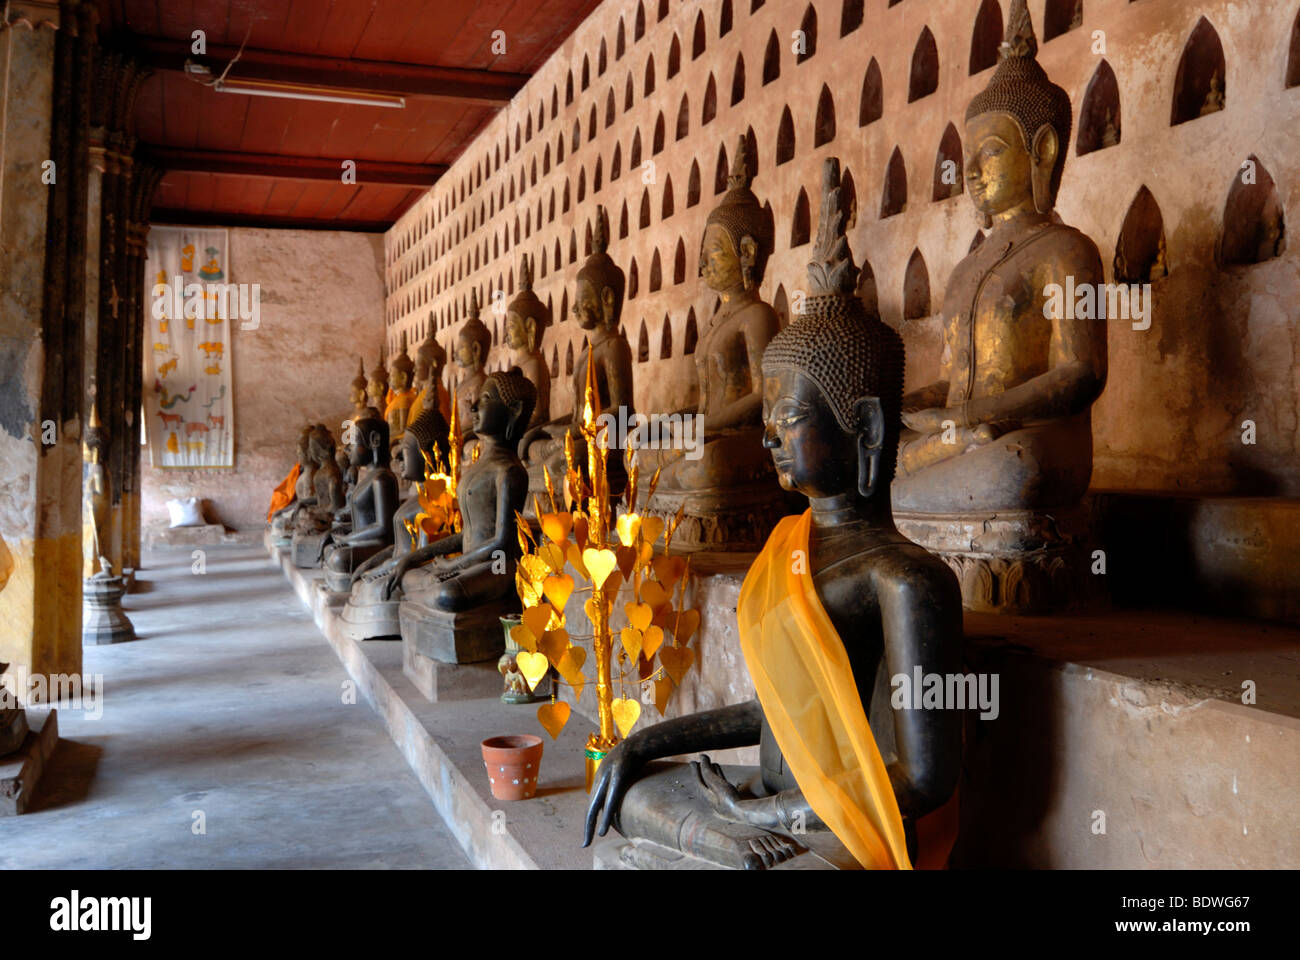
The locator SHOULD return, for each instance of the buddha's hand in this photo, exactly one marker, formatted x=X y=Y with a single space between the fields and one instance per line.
x=930 y=420
x=614 y=775
x=394 y=580
x=723 y=797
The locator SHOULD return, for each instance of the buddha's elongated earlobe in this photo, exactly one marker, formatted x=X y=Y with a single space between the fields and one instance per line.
x=748 y=258
x=1044 y=153
x=871 y=439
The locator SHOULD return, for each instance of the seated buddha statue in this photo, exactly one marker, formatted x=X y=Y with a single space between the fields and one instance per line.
x=526 y=319
x=715 y=464
x=430 y=359
x=304 y=492
x=598 y=307
x=377 y=385
x=1006 y=429
x=456 y=589
x=842 y=776
x=370 y=506
x=400 y=396
x=316 y=519
x=369 y=611
x=473 y=342
x=356 y=397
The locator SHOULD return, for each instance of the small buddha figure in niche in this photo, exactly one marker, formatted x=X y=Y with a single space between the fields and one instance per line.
x=400 y=396
x=841 y=773
x=371 y=505
x=97 y=494
x=472 y=345
x=368 y=607
x=430 y=359
x=304 y=490
x=734 y=250
x=490 y=491
x=1214 y=96
x=526 y=319
x=598 y=307
x=1007 y=426
x=327 y=485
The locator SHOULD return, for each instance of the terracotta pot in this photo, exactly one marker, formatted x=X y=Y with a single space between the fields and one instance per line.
x=512 y=764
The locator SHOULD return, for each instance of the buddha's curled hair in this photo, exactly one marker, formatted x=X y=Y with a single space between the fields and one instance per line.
x=512 y=386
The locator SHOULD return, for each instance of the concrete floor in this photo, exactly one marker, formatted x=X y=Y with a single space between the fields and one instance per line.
x=232 y=704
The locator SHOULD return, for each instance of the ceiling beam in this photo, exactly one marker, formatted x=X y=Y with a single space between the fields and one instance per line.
x=286 y=167
x=214 y=218
x=487 y=87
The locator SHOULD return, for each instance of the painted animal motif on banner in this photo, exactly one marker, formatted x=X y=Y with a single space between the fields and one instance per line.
x=222 y=393
x=167 y=368
x=173 y=445
x=175 y=418
x=193 y=428
x=209 y=348
x=168 y=400
x=214 y=370
x=195 y=446
x=218 y=423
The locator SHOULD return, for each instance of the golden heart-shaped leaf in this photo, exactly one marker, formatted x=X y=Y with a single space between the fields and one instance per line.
x=574 y=554
x=523 y=638
x=580 y=532
x=536 y=620
x=553 y=717
x=668 y=570
x=533 y=666
x=626 y=714
x=688 y=621
x=638 y=614
x=651 y=527
x=533 y=567
x=626 y=560
x=643 y=555
x=631 y=638
x=556 y=526
x=654 y=594
x=570 y=664
x=529 y=591
x=553 y=645
x=600 y=564
x=578 y=683
x=613 y=584
x=676 y=661
x=558 y=589
x=552 y=554
x=651 y=640
x=628 y=526
x=589 y=608
x=645 y=669
x=663 y=689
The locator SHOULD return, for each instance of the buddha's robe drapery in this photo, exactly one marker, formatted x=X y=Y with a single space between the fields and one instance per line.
x=805 y=684
x=284 y=493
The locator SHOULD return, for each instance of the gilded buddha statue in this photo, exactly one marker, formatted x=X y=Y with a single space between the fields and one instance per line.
x=456 y=589
x=430 y=359
x=370 y=505
x=284 y=516
x=722 y=476
x=317 y=518
x=377 y=385
x=400 y=396
x=371 y=611
x=998 y=452
x=598 y=307
x=473 y=342
x=526 y=319
x=843 y=777
x=96 y=494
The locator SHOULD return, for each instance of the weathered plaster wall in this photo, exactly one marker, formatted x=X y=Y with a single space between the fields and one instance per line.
x=321 y=307
x=1223 y=344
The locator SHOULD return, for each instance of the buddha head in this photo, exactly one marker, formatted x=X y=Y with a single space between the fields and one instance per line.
x=738 y=234
x=833 y=379
x=430 y=358
x=320 y=445
x=526 y=316
x=1017 y=129
x=504 y=406
x=399 y=378
x=357 y=389
x=474 y=340
x=96 y=438
x=304 y=446
x=369 y=440
x=599 y=298
x=377 y=385
x=422 y=435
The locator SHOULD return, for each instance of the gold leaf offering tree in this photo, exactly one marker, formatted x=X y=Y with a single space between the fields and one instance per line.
x=584 y=540
x=439 y=515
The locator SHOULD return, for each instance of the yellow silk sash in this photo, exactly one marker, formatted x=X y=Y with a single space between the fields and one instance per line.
x=283 y=495
x=805 y=684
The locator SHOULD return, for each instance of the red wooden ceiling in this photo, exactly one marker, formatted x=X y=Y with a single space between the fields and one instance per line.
x=174 y=112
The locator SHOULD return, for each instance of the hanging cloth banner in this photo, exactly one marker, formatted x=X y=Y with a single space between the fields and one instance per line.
x=187 y=383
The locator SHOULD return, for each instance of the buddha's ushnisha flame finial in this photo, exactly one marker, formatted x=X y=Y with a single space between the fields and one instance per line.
x=1020 y=40
x=525 y=274
x=94 y=415
x=739 y=178
x=600 y=231
x=473 y=302
x=831 y=272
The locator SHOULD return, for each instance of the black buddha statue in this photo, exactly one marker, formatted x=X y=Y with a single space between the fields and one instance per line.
x=371 y=505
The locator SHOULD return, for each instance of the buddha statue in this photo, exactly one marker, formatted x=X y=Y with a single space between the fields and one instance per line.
x=714 y=463
x=526 y=319
x=377 y=385
x=356 y=397
x=96 y=495
x=370 y=505
x=999 y=448
x=284 y=518
x=472 y=345
x=598 y=307
x=843 y=778
x=316 y=520
x=370 y=612
x=400 y=396
x=430 y=359
x=456 y=589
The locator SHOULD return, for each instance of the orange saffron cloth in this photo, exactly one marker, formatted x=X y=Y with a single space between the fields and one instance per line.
x=284 y=493
x=805 y=685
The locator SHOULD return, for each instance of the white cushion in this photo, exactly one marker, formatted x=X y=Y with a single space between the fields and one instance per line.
x=185 y=512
